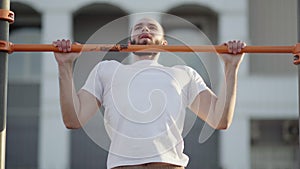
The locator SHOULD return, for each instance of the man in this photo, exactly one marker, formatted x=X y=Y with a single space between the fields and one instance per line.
x=145 y=102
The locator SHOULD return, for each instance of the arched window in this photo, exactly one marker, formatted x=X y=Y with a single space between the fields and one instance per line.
x=24 y=70
x=86 y=22
x=204 y=32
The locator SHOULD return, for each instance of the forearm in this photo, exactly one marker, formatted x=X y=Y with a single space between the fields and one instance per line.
x=225 y=104
x=69 y=101
x=218 y=111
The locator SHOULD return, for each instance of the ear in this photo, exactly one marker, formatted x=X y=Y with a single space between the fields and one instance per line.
x=164 y=42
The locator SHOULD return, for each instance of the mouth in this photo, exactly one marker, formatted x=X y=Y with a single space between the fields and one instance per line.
x=145 y=36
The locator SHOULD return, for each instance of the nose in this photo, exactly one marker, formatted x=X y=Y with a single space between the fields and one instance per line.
x=145 y=29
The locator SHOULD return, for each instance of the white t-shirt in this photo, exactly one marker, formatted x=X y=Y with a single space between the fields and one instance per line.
x=144 y=109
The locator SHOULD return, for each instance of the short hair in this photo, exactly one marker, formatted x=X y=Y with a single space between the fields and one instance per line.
x=131 y=29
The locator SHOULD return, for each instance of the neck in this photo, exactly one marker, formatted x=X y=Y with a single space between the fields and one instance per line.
x=147 y=57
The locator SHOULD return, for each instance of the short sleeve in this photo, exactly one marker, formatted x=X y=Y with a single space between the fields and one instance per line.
x=93 y=83
x=196 y=85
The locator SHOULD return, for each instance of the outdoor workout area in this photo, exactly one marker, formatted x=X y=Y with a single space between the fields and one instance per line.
x=125 y=47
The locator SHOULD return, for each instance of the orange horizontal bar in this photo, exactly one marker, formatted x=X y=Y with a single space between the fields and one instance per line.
x=147 y=48
x=10 y=47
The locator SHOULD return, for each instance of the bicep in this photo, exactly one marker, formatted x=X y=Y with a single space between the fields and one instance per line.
x=203 y=103
x=89 y=105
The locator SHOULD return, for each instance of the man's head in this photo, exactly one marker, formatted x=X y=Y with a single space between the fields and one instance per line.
x=147 y=31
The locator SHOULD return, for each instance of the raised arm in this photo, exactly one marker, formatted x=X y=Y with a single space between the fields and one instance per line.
x=76 y=108
x=218 y=111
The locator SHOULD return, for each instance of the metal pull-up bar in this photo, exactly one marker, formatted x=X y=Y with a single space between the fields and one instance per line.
x=10 y=47
x=7 y=17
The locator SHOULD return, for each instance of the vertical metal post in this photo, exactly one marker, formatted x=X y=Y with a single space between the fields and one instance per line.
x=4 y=34
x=298 y=27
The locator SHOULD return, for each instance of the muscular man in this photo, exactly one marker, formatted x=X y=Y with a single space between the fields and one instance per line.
x=145 y=102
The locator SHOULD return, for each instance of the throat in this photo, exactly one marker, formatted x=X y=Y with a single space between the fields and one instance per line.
x=146 y=56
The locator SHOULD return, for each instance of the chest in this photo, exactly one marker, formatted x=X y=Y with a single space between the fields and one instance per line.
x=147 y=78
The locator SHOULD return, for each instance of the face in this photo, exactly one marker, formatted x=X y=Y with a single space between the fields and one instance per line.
x=147 y=32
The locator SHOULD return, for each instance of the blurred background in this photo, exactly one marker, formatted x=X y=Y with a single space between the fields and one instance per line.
x=264 y=133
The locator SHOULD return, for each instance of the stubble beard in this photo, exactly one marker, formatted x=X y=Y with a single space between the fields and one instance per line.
x=146 y=42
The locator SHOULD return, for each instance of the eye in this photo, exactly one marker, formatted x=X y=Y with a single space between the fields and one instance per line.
x=137 y=28
x=153 y=27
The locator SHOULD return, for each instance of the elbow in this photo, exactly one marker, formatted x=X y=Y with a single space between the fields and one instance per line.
x=223 y=126
x=70 y=125
x=225 y=121
x=71 y=122
x=220 y=126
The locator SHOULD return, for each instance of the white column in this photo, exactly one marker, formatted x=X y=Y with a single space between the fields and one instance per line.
x=235 y=144
x=54 y=143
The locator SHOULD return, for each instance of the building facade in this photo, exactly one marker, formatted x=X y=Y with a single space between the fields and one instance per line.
x=263 y=131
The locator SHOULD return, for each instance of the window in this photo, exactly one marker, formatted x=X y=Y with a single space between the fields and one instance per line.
x=274 y=144
x=271 y=24
x=25 y=66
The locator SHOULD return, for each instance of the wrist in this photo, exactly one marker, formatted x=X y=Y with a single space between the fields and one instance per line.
x=65 y=69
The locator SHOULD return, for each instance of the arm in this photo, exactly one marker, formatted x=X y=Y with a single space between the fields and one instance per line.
x=76 y=108
x=218 y=111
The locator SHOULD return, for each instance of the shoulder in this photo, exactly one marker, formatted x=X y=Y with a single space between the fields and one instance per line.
x=192 y=73
x=186 y=68
x=107 y=64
